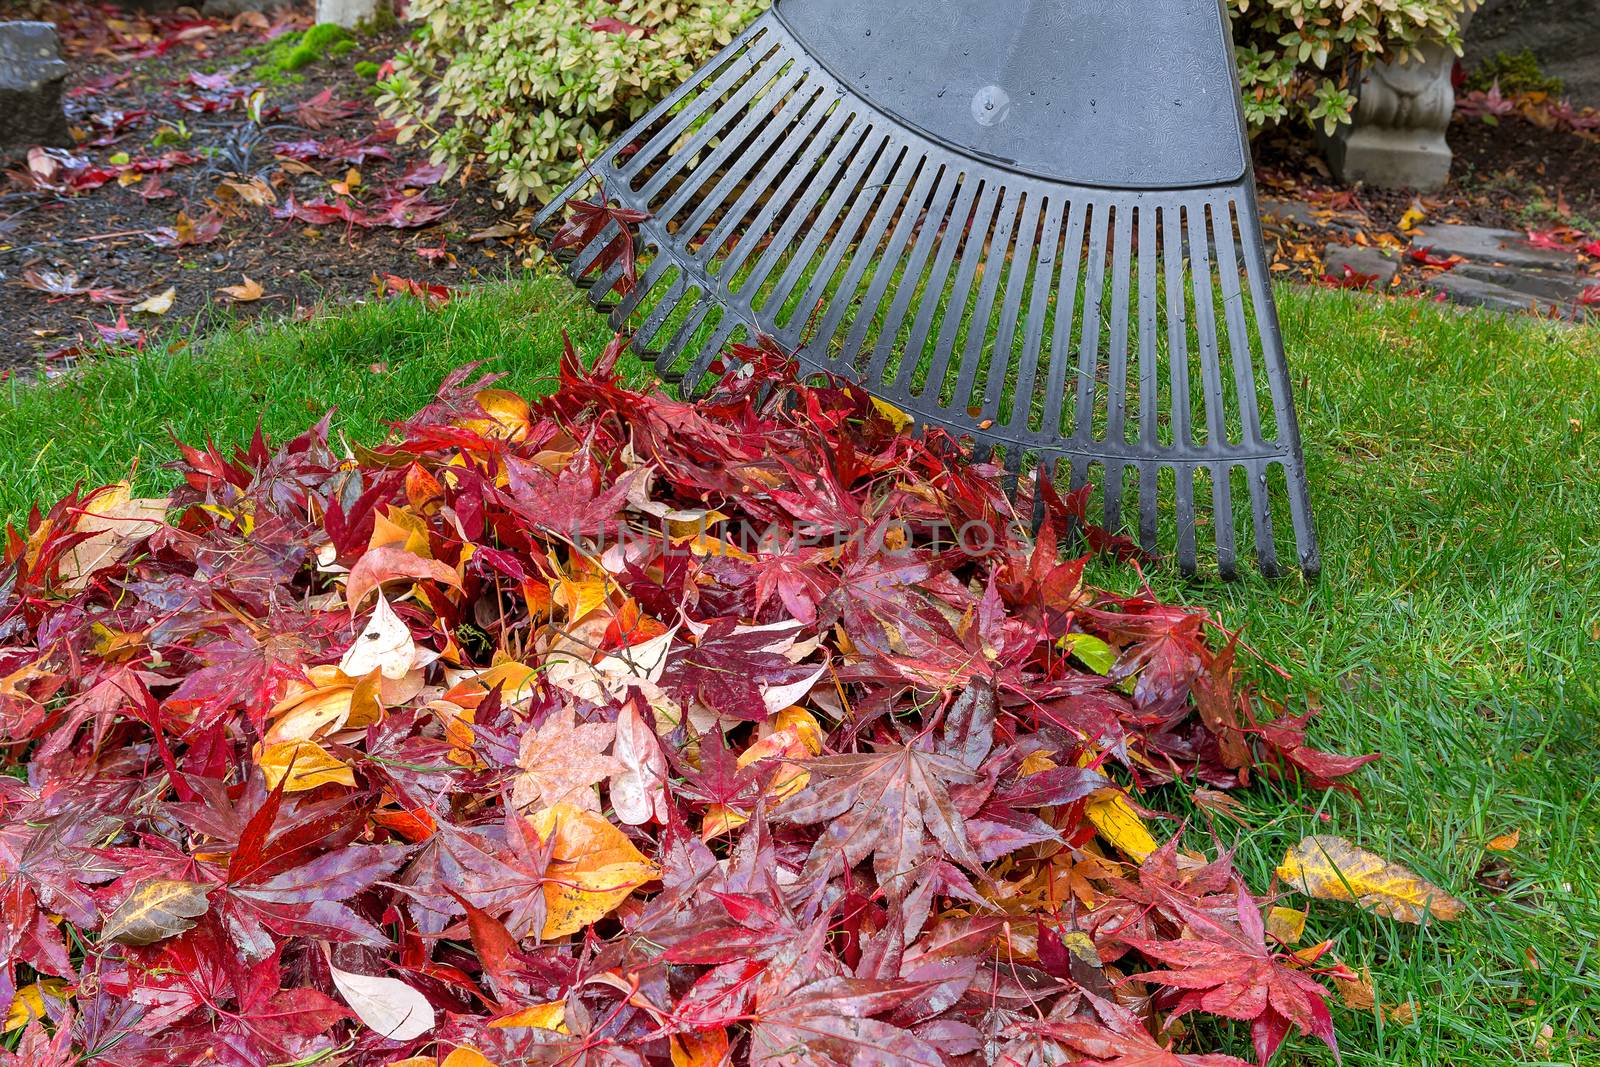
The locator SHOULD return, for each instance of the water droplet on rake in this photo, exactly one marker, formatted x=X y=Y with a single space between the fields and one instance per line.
x=991 y=106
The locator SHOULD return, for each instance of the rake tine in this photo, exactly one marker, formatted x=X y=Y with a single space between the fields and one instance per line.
x=1261 y=513
x=755 y=124
x=685 y=156
x=866 y=154
x=878 y=183
x=705 y=100
x=1020 y=415
x=1288 y=424
x=1055 y=412
x=883 y=274
x=1017 y=277
x=711 y=350
x=825 y=110
x=1185 y=515
x=978 y=331
x=972 y=245
x=1117 y=368
x=949 y=238
x=1238 y=339
x=916 y=263
x=1089 y=340
x=905 y=177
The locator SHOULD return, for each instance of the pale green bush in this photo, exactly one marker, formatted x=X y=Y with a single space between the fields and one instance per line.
x=529 y=85
x=1299 y=60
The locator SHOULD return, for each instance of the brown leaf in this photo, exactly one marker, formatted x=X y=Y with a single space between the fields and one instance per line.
x=1331 y=868
x=114 y=518
x=378 y=566
x=244 y=293
x=155 y=911
x=562 y=761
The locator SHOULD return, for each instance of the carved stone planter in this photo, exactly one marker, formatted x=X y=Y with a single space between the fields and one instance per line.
x=1397 y=139
x=31 y=75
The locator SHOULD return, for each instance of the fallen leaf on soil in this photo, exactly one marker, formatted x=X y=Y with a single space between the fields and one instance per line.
x=245 y=292
x=159 y=304
x=395 y=1010
x=1331 y=868
x=245 y=191
x=187 y=231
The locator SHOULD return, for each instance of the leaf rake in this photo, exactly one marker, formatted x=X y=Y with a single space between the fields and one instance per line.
x=1031 y=222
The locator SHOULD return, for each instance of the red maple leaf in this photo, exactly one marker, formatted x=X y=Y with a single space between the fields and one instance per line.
x=1227 y=969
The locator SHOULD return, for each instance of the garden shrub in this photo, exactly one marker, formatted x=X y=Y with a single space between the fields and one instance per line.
x=1514 y=72
x=1299 y=60
x=530 y=85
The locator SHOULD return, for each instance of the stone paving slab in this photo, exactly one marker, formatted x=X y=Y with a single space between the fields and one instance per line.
x=1368 y=262
x=1481 y=244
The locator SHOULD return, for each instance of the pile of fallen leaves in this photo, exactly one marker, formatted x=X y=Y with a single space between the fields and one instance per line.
x=614 y=729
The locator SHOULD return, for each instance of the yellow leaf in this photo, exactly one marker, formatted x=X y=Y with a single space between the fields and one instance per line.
x=28 y=1003
x=580 y=595
x=156 y=910
x=1505 y=842
x=306 y=764
x=233 y=192
x=899 y=419
x=246 y=292
x=551 y=1016
x=467 y=1056
x=159 y=304
x=509 y=415
x=401 y=528
x=1288 y=925
x=593 y=868
x=1119 y=824
x=1331 y=868
x=709 y=1049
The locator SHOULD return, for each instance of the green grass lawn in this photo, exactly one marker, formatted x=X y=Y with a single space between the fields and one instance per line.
x=1456 y=626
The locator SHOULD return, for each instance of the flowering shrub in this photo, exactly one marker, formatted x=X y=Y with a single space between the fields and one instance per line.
x=530 y=85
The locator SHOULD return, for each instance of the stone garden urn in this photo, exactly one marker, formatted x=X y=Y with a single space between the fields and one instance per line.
x=1397 y=136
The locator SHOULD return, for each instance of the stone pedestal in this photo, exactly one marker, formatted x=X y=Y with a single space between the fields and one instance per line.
x=1397 y=138
x=31 y=75
x=348 y=13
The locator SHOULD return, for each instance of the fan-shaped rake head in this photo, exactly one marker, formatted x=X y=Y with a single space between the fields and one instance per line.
x=1081 y=332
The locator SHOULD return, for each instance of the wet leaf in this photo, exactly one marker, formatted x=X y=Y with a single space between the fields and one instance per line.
x=156 y=910
x=1331 y=868
x=159 y=304
x=245 y=292
x=389 y=1006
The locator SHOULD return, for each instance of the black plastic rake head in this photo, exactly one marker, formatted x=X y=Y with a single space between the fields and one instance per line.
x=1031 y=222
